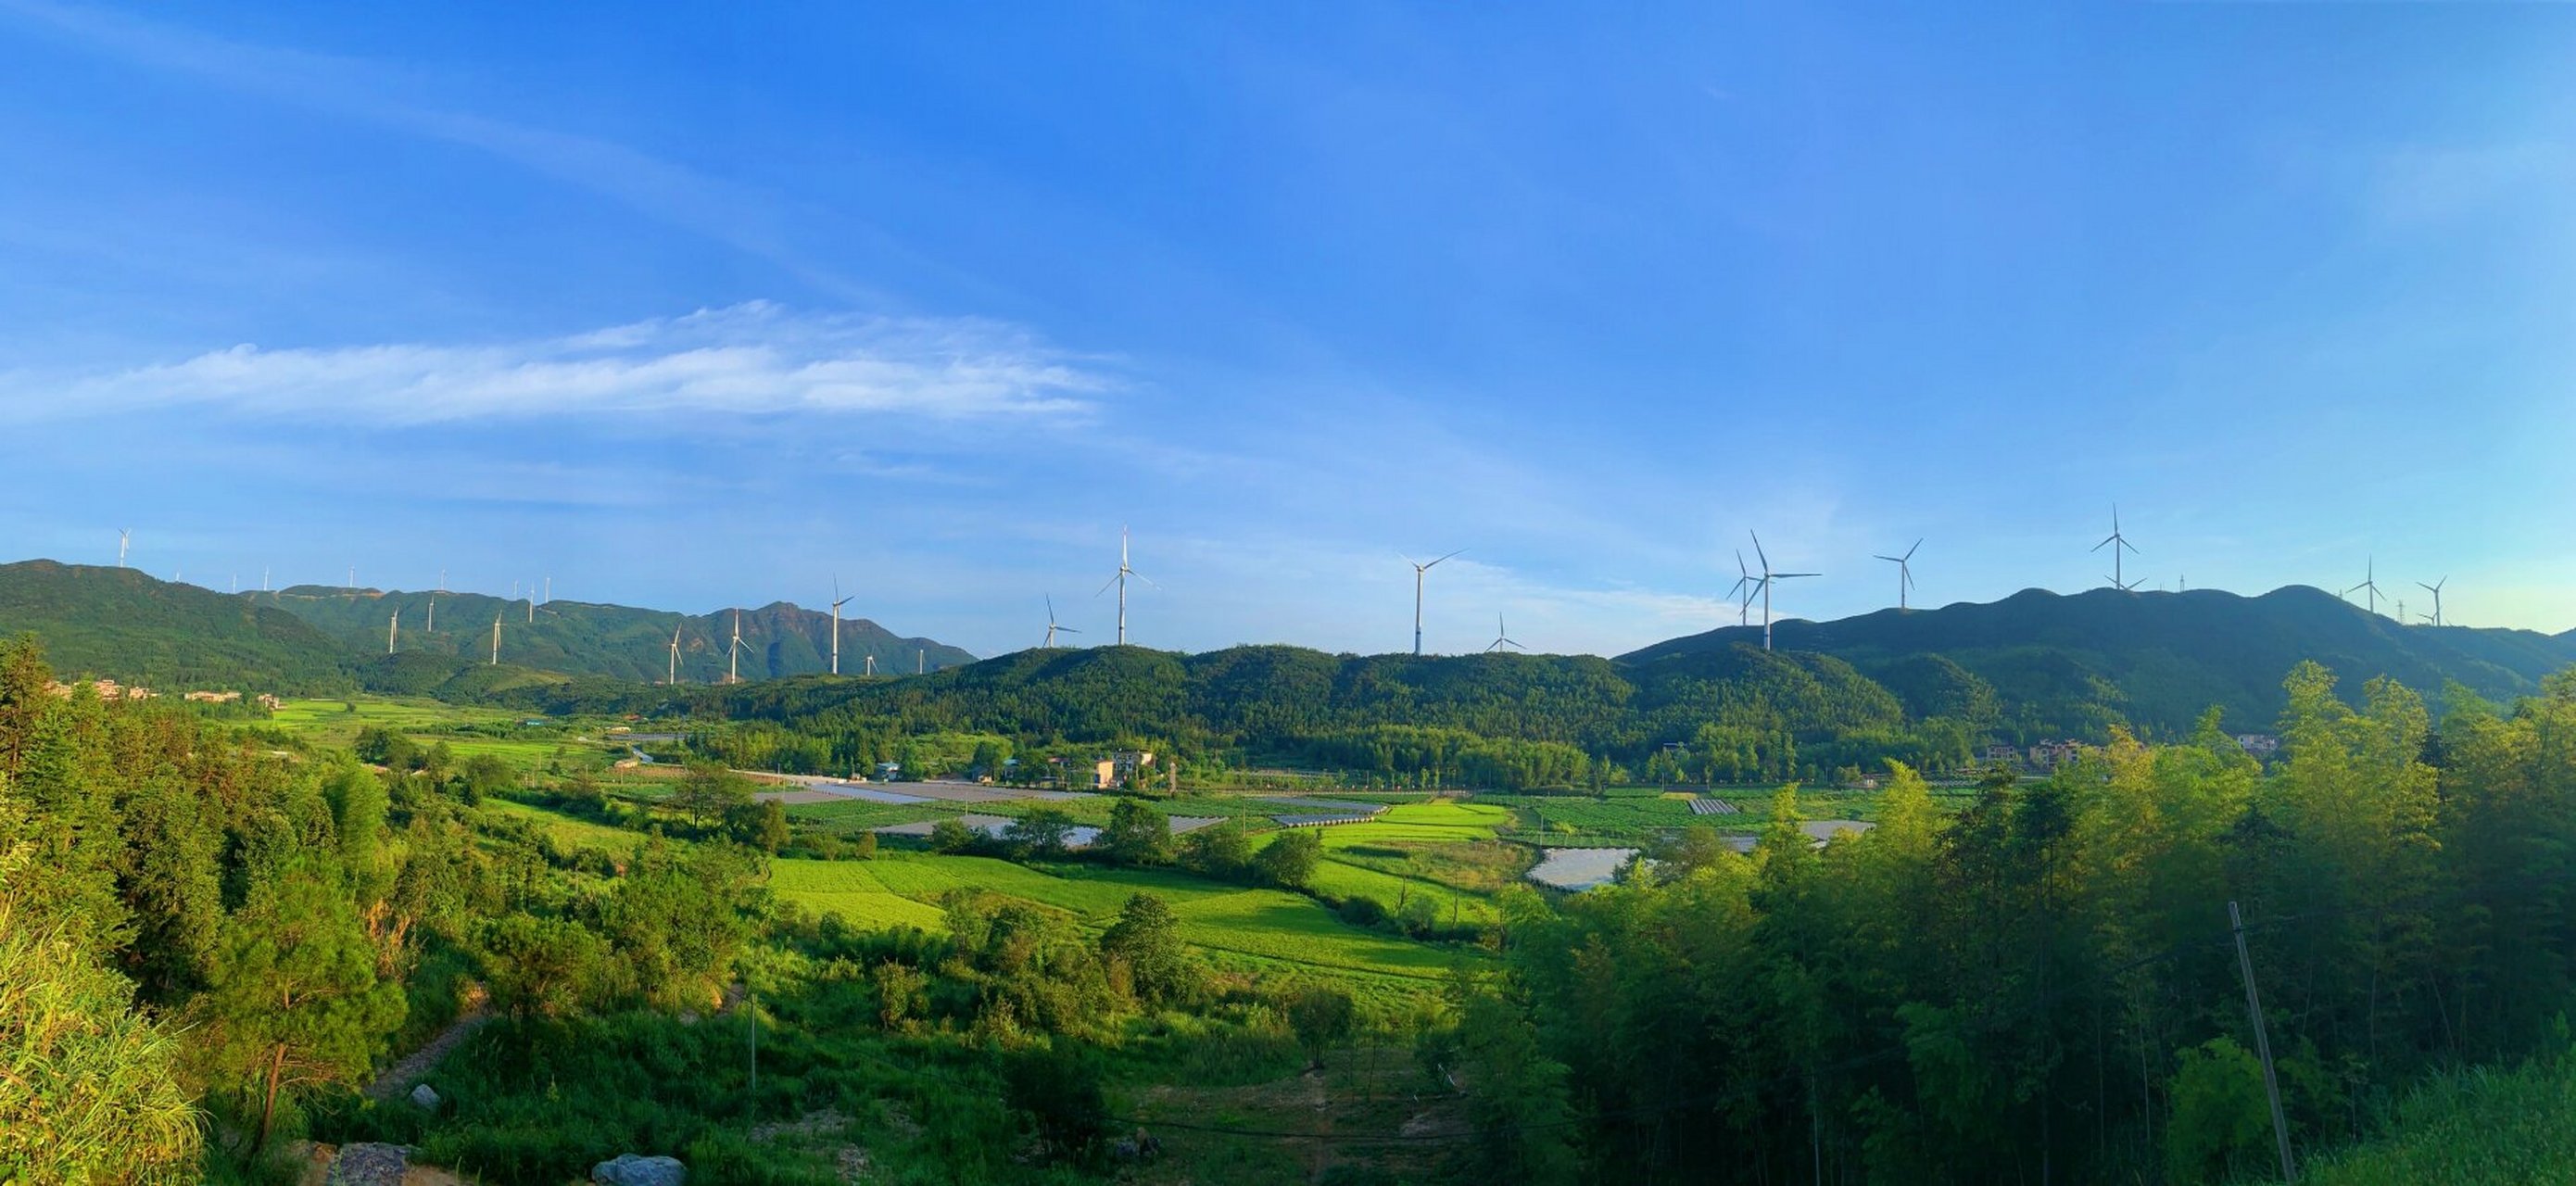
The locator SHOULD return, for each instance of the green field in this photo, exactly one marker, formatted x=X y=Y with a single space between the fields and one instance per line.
x=336 y=722
x=1274 y=926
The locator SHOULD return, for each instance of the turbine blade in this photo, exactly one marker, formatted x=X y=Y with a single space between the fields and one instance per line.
x=1142 y=577
x=1444 y=558
x=2104 y=544
x=1909 y=552
x=1757 y=550
x=1104 y=585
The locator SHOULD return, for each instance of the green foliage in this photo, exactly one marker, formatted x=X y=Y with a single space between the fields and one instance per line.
x=1288 y=861
x=2221 y=1124
x=1146 y=942
x=292 y=1001
x=543 y=967
x=1136 y=834
x=90 y=1087
x=1321 y=1015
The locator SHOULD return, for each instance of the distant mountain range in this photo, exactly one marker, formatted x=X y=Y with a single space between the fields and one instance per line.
x=122 y=623
x=2072 y=663
x=2031 y=666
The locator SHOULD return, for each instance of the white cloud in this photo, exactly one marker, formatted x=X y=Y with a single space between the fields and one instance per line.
x=747 y=359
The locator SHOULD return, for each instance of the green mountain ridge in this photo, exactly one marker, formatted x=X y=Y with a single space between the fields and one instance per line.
x=2072 y=663
x=581 y=638
x=124 y=624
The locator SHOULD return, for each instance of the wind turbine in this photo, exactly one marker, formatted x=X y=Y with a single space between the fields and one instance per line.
x=837 y=602
x=2369 y=582
x=433 y=610
x=1502 y=638
x=263 y=578
x=1904 y=572
x=1418 y=570
x=1120 y=580
x=353 y=576
x=872 y=665
x=733 y=653
x=1769 y=576
x=2116 y=542
x=2436 y=590
x=1052 y=628
x=674 y=677
x=496 y=638
x=392 y=629
x=1744 y=585
x=124 y=537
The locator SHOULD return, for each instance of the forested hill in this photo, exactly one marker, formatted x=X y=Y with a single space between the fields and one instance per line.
x=611 y=641
x=122 y=624
x=2067 y=663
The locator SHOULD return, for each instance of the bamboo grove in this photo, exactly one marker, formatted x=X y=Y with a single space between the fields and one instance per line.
x=2041 y=985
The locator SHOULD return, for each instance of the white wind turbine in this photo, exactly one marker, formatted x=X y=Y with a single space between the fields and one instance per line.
x=2118 y=542
x=1502 y=638
x=392 y=629
x=124 y=537
x=2369 y=583
x=1765 y=581
x=1052 y=628
x=2436 y=590
x=1420 y=568
x=733 y=653
x=496 y=638
x=1120 y=580
x=674 y=677
x=837 y=602
x=1744 y=584
x=1904 y=573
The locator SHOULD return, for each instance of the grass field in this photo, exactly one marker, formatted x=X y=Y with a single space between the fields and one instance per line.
x=1268 y=926
x=336 y=722
x=1635 y=815
x=568 y=831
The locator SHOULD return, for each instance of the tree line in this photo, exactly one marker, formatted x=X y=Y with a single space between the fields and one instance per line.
x=2043 y=985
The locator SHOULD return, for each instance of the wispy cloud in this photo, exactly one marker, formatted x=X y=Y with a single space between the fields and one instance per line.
x=753 y=358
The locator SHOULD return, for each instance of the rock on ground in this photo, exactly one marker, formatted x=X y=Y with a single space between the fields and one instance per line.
x=424 y=1098
x=632 y=1170
x=368 y=1164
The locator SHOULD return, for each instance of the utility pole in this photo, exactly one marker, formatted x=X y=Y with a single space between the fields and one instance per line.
x=2262 y=1044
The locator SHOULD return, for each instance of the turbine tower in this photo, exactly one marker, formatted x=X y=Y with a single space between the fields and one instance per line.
x=1502 y=638
x=496 y=638
x=1904 y=573
x=392 y=629
x=1120 y=580
x=1052 y=628
x=1744 y=585
x=872 y=665
x=124 y=537
x=733 y=653
x=1418 y=570
x=433 y=611
x=674 y=677
x=2118 y=542
x=837 y=602
x=1767 y=578
x=2436 y=590
x=2369 y=585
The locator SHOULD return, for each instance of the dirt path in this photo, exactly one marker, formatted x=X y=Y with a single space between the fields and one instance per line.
x=416 y=1064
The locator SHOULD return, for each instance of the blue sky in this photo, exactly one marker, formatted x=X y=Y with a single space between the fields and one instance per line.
x=691 y=309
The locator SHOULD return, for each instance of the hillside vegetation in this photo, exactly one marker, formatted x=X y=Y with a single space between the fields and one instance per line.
x=2070 y=664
